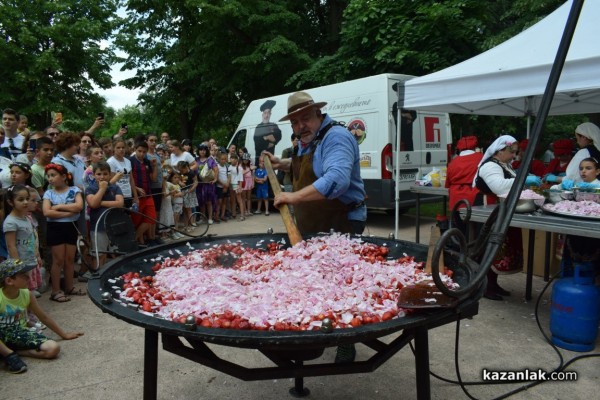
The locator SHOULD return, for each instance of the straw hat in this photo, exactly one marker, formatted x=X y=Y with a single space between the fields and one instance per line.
x=299 y=102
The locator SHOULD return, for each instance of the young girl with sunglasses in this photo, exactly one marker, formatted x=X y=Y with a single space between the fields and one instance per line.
x=62 y=206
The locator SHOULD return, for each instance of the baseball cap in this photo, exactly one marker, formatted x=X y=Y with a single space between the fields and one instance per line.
x=11 y=267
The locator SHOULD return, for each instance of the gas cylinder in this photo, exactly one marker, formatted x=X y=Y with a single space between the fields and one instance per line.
x=575 y=311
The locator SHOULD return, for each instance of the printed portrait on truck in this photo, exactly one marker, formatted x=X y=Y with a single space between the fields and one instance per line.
x=267 y=134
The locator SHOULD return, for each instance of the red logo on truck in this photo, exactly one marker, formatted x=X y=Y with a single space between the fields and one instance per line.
x=433 y=133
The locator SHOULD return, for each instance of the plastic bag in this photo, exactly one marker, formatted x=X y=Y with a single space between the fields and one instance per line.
x=433 y=177
x=207 y=174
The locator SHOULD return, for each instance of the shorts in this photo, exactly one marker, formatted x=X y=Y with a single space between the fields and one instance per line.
x=19 y=338
x=177 y=208
x=103 y=242
x=221 y=194
x=262 y=191
x=146 y=207
x=61 y=233
x=128 y=202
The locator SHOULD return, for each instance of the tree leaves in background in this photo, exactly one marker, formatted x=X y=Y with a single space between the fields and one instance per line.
x=400 y=36
x=52 y=52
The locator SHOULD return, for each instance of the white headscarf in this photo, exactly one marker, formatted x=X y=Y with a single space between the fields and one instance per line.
x=499 y=144
x=590 y=131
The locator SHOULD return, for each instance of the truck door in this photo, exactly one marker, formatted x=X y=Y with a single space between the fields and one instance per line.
x=410 y=146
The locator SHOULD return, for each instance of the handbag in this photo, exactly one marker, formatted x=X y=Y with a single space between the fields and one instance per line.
x=207 y=174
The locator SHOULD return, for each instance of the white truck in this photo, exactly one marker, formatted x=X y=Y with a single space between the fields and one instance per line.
x=368 y=107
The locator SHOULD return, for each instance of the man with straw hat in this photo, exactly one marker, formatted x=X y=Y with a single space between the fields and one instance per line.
x=328 y=190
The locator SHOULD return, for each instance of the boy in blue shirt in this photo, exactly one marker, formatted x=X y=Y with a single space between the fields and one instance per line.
x=99 y=196
x=262 y=187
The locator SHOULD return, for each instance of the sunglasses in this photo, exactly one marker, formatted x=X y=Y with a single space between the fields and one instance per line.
x=86 y=141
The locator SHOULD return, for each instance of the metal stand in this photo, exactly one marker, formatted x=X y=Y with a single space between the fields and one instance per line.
x=150 y=364
x=289 y=362
x=530 y=250
x=299 y=390
x=422 y=364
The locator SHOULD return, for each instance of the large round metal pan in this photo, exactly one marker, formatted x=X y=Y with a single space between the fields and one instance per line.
x=141 y=262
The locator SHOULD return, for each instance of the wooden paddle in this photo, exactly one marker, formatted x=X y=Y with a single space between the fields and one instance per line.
x=288 y=220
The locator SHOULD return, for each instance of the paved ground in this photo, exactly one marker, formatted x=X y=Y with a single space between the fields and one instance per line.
x=107 y=363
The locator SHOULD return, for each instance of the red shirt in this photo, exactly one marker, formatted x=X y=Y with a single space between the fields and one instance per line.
x=459 y=178
x=141 y=173
x=537 y=167
x=555 y=168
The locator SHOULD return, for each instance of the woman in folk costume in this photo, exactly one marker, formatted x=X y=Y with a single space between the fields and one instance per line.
x=563 y=152
x=462 y=170
x=495 y=177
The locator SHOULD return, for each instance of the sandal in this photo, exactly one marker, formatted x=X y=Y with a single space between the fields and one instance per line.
x=75 y=292
x=59 y=297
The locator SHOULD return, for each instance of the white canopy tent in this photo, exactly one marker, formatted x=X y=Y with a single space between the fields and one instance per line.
x=510 y=78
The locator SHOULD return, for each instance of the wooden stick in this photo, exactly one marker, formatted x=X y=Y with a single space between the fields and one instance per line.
x=288 y=220
x=435 y=236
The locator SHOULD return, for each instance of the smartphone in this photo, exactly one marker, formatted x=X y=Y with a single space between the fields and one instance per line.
x=101 y=115
x=58 y=117
x=33 y=145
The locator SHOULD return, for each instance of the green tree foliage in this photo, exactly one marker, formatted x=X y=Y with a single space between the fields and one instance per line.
x=506 y=19
x=402 y=36
x=51 y=53
x=200 y=62
x=420 y=37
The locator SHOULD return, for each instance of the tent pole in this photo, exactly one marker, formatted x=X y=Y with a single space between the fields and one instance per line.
x=397 y=168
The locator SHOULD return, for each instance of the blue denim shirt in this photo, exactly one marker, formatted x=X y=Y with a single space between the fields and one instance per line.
x=336 y=163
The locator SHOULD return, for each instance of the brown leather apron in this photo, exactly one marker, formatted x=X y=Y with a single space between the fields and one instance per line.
x=319 y=215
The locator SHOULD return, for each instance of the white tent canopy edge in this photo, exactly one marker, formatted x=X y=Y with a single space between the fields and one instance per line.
x=510 y=78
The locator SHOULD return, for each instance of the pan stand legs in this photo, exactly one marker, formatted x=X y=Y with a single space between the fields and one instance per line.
x=150 y=364
x=422 y=363
x=299 y=390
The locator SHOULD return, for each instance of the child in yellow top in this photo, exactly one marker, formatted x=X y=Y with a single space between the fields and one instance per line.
x=15 y=304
